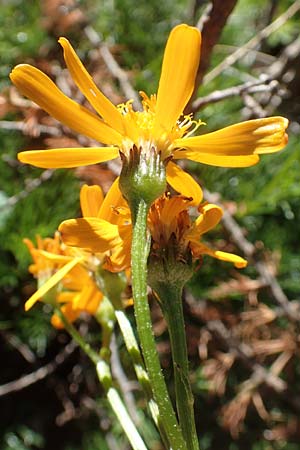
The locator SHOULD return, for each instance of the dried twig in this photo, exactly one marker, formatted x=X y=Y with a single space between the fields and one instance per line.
x=38 y=374
x=22 y=126
x=264 y=84
x=22 y=348
x=113 y=66
x=31 y=185
x=263 y=34
x=250 y=252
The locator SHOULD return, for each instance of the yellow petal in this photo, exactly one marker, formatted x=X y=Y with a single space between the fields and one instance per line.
x=54 y=258
x=59 y=158
x=89 y=299
x=55 y=279
x=218 y=160
x=91 y=198
x=183 y=183
x=238 y=261
x=93 y=234
x=113 y=199
x=35 y=85
x=84 y=81
x=179 y=69
x=209 y=219
x=235 y=143
x=66 y=296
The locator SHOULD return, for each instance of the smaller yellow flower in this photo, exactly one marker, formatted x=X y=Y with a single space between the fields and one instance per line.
x=171 y=225
x=65 y=270
x=105 y=228
x=80 y=294
x=62 y=278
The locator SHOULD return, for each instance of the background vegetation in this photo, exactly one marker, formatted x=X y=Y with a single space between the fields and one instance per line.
x=242 y=326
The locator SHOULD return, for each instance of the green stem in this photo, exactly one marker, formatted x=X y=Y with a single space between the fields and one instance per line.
x=104 y=376
x=139 y=255
x=113 y=285
x=171 y=299
x=138 y=364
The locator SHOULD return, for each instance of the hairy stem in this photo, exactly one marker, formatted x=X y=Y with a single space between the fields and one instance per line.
x=140 y=251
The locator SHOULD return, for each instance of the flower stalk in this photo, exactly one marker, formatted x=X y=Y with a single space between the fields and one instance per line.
x=143 y=180
x=169 y=270
x=139 y=257
x=105 y=378
x=170 y=296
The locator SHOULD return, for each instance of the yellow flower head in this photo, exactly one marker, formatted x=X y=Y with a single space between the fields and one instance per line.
x=63 y=278
x=171 y=224
x=160 y=125
x=105 y=228
x=66 y=270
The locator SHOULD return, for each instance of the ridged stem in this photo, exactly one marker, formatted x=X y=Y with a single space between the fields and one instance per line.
x=139 y=256
x=170 y=296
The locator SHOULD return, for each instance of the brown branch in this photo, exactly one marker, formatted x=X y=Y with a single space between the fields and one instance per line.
x=212 y=29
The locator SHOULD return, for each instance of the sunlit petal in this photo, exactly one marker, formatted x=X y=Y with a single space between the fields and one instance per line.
x=209 y=218
x=53 y=281
x=84 y=81
x=54 y=258
x=232 y=146
x=93 y=234
x=59 y=158
x=183 y=183
x=89 y=298
x=218 y=160
x=179 y=69
x=91 y=198
x=69 y=312
x=35 y=85
x=238 y=261
x=113 y=199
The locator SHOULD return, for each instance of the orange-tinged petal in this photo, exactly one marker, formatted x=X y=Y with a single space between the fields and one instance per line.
x=89 y=299
x=35 y=85
x=210 y=217
x=91 y=198
x=235 y=143
x=238 y=261
x=69 y=312
x=54 y=280
x=183 y=183
x=60 y=158
x=179 y=69
x=54 y=258
x=93 y=234
x=85 y=83
x=66 y=296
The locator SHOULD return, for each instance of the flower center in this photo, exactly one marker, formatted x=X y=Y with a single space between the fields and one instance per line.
x=140 y=131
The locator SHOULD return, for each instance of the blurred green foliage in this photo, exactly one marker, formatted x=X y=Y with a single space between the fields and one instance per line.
x=267 y=195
